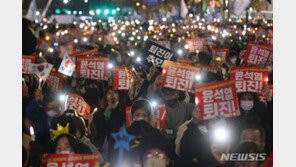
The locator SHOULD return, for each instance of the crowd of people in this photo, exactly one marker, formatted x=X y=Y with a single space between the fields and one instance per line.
x=184 y=140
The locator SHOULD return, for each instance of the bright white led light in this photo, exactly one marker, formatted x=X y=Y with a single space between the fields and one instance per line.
x=221 y=134
x=132 y=53
x=138 y=59
x=110 y=65
x=180 y=51
x=154 y=103
x=198 y=77
x=75 y=40
x=62 y=98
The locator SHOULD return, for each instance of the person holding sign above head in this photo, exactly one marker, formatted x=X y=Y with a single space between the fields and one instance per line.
x=177 y=112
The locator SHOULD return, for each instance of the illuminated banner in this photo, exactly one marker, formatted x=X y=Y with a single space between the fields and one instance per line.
x=67 y=48
x=77 y=103
x=249 y=79
x=217 y=98
x=55 y=81
x=257 y=54
x=158 y=117
x=156 y=54
x=165 y=44
x=218 y=52
x=195 y=44
x=185 y=61
x=27 y=60
x=122 y=78
x=179 y=77
x=92 y=67
x=67 y=160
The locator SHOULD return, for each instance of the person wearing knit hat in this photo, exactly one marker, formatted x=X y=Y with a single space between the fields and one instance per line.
x=155 y=151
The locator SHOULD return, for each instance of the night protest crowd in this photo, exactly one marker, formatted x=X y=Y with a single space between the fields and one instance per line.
x=186 y=137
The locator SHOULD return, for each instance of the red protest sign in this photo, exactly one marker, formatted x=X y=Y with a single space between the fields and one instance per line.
x=121 y=78
x=195 y=44
x=77 y=103
x=204 y=69
x=249 y=79
x=74 y=160
x=257 y=54
x=217 y=98
x=158 y=117
x=26 y=61
x=68 y=48
x=179 y=77
x=55 y=81
x=92 y=67
x=185 y=61
x=219 y=52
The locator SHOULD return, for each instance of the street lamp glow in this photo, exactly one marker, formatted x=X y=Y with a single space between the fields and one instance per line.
x=65 y=1
x=106 y=11
x=138 y=3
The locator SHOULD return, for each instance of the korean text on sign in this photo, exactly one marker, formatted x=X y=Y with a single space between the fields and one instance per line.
x=77 y=103
x=92 y=67
x=73 y=160
x=249 y=79
x=156 y=54
x=26 y=61
x=121 y=78
x=217 y=98
x=195 y=44
x=55 y=81
x=218 y=52
x=179 y=77
x=257 y=54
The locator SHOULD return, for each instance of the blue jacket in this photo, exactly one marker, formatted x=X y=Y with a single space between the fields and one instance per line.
x=36 y=113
